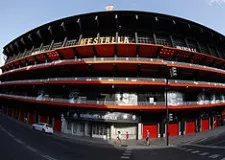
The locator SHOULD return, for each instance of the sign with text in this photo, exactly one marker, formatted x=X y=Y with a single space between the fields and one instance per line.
x=103 y=116
x=101 y=40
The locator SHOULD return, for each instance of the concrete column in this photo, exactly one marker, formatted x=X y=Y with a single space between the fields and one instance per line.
x=72 y=127
x=179 y=128
x=63 y=123
x=108 y=136
x=158 y=130
x=210 y=127
x=164 y=134
x=86 y=129
x=200 y=125
x=112 y=132
x=140 y=130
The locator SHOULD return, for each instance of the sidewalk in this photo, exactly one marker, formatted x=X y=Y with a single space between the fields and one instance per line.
x=138 y=144
x=154 y=143
x=177 y=140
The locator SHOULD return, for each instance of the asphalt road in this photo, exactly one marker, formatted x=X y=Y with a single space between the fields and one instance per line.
x=19 y=142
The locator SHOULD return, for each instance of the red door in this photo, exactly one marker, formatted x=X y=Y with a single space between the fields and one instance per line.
x=173 y=129
x=152 y=128
x=190 y=127
x=57 y=125
x=22 y=115
x=216 y=122
x=31 y=118
x=205 y=124
x=9 y=111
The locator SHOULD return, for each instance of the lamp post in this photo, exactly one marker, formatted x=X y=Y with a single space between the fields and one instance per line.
x=167 y=114
x=173 y=72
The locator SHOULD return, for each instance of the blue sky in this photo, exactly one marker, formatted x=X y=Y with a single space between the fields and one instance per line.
x=20 y=16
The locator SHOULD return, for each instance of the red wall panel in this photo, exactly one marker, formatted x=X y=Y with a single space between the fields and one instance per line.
x=205 y=124
x=216 y=122
x=173 y=129
x=57 y=125
x=190 y=127
x=152 y=128
x=9 y=111
x=31 y=118
x=22 y=115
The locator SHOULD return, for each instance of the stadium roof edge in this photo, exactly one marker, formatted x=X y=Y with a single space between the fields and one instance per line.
x=113 y=11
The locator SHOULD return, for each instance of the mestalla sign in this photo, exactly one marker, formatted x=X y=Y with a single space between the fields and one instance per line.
x=100 y=40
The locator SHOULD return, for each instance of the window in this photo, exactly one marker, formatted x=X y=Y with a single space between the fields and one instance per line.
x=163 y=40
x=99 y=129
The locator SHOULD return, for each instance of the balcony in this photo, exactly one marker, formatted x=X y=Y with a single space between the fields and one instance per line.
x=140 y=105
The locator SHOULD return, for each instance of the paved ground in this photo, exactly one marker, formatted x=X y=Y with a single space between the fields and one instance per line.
x=19 y=141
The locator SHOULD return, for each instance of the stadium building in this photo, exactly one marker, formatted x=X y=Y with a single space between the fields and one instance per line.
x=99 y=73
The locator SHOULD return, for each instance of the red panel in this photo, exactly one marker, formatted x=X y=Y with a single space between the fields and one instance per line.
x=126 y=50
x=216 y=122
x=105 y=50
x=209 y=60
x=67 y=53
x=17 y=63
x=9 y=111
x=205 y=124
x=22 y=115
x=85 y=51
x=53 y=55
x=44 y=119
x=148 y=51
x=166 y=52
x=22 y=61
x=173 y=129
x=57 y=125
x=41 y=57
x=152 y=128
x=183 y=55
x=31 y=118
x=190 y=127
x=30 y=59
x=197 y=58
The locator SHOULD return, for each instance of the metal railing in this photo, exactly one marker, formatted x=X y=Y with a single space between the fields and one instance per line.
x=97 y=102
x=120 y=58
x=131 y=79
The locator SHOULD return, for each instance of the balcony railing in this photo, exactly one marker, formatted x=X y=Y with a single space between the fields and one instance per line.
x=128 y=79
x=97 y=102
x=131 y=79
x=118 y=58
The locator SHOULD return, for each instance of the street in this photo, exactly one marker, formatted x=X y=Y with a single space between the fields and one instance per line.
x=21 y=142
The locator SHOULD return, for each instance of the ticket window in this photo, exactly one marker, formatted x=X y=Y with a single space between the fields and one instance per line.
x=99 y=130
